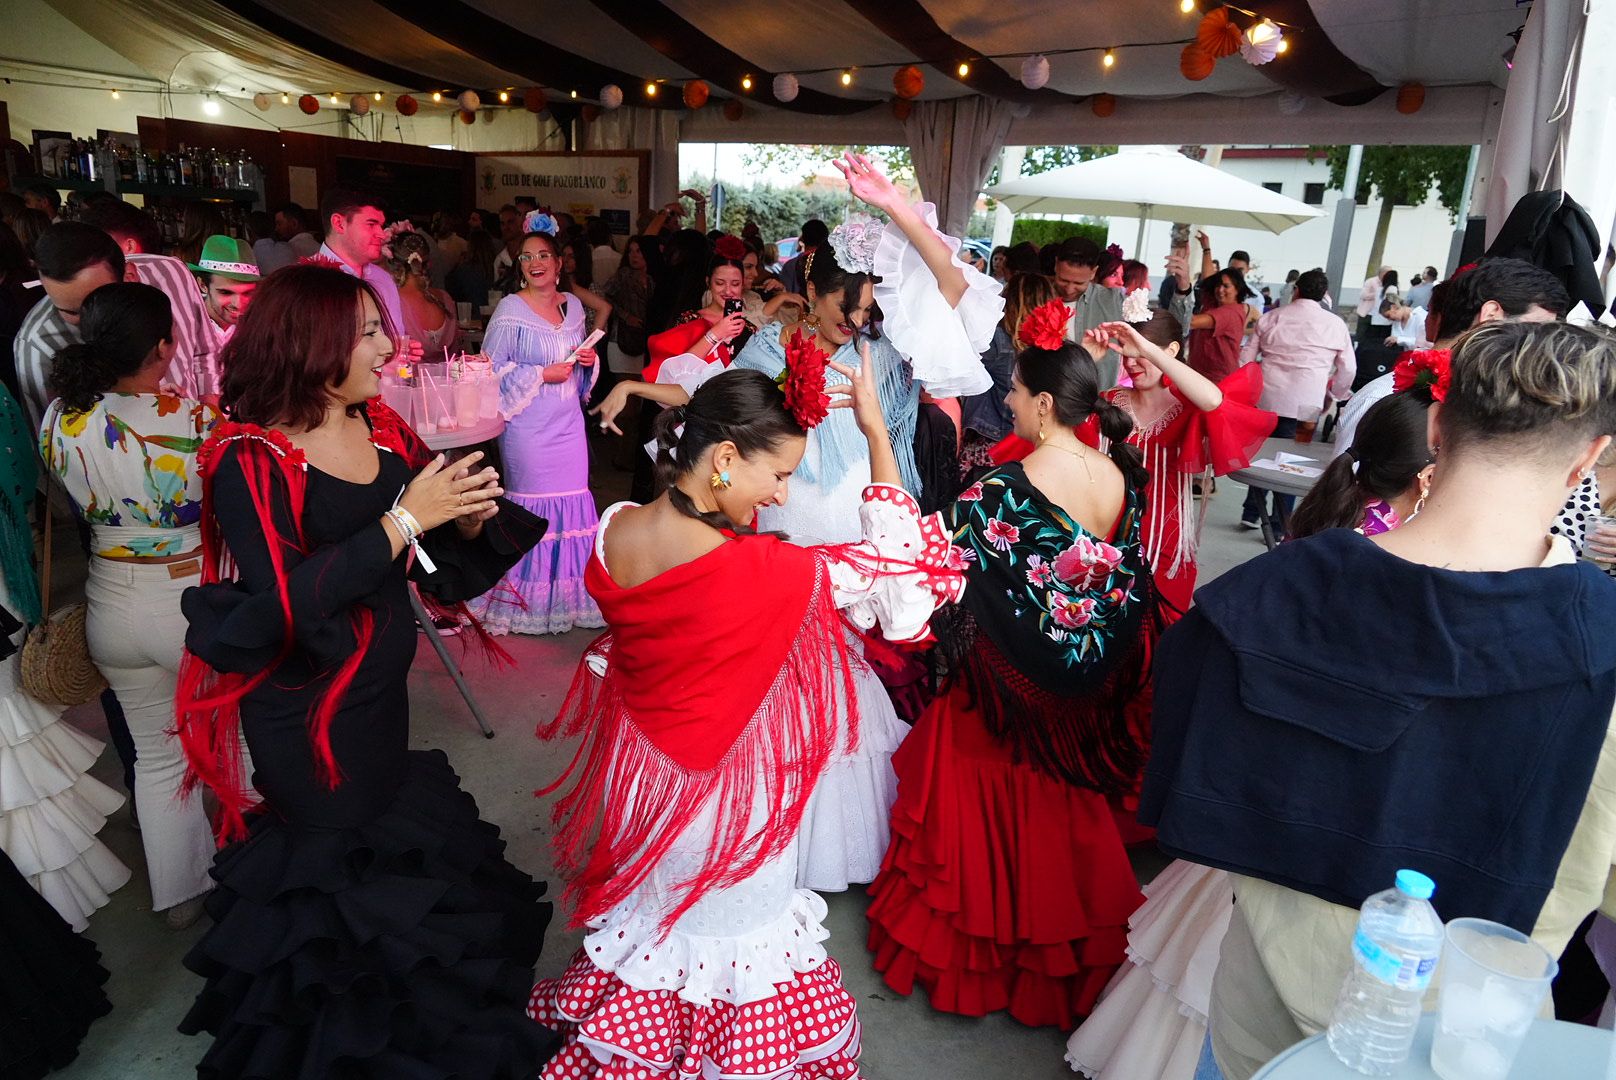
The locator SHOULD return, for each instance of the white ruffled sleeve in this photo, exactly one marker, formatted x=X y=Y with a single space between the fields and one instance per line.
x=901 y=571
x=943 y=344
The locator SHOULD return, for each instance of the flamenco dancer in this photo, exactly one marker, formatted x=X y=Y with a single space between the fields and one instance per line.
x=1007 y=885
x=939 y=316
x=703 y=958
x=534 y=340
x=366 y=923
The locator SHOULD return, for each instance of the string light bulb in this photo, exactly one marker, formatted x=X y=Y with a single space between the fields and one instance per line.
x=210 y=106
x=504 y=96
x=1283 y=46
x=116 y=95
x=377 y=95
x=964 y=69
x=1109 y=59
x=333 y=99
x=437 y=96
x=746 y=82
x=650 y=89
x=847 y=77
x=1187 y=6
x=286 y=99
x=575 y=93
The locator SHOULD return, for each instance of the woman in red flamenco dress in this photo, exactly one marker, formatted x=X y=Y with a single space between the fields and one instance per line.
x=1006 y=885
x=710 y=712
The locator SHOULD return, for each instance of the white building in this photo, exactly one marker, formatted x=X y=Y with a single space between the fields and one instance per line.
x=1419 y=235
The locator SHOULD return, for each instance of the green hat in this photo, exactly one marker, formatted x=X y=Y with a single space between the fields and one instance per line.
x=227 y=257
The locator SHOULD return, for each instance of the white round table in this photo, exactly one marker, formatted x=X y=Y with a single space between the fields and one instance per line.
x=454 y=438
x=1553 y=1051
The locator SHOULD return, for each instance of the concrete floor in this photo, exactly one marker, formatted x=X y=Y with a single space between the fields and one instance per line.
x=904 y=1039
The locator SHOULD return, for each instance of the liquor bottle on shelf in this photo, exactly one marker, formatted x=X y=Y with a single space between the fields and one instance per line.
x=72 y=160
x=186 y=167
x=142 y=167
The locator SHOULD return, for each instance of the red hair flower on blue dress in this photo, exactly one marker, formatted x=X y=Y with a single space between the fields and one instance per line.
x=803 y=382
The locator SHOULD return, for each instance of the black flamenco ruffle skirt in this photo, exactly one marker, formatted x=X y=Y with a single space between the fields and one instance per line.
x=51 y=982
x=400 y=949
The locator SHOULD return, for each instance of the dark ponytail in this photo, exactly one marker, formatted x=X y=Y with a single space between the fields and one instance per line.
x=742 y=407
x=1069 y=377
x=1387 y=453
x=120 y=324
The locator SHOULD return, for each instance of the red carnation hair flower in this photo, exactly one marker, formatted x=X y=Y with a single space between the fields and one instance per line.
x=1045 y=328
x=1427 y=369
x=803 y=381
x=730 y=247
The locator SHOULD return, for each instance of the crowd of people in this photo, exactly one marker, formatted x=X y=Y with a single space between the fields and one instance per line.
x=904 y=595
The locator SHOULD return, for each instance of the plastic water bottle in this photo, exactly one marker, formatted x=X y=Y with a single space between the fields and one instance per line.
x=1395 y=952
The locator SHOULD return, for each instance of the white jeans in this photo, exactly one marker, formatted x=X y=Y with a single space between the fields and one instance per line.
x=136 y=633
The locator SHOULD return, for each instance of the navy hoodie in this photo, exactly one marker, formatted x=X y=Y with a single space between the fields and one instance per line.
x=1328 y=713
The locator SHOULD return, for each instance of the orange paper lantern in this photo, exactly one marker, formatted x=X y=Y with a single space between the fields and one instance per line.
x=1218 y=34
x=1103 y=104
x=467 y=116
x=696 y=94
x=733 y=109
x=901 y=109
x=1195 y=63
x=1410 y=98
x=309 y=104
x=908 y=81
x=533 y=99
x=406 y=105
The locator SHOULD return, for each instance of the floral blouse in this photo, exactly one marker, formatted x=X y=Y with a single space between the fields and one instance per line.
x=129 y=465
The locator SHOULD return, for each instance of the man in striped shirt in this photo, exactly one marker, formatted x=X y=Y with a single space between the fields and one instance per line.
x=74 y=259
x=194 y=371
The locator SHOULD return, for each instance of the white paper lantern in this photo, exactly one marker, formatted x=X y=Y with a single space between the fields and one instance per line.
x=1291 y=103
x=469 y=100
x=785 y=87
x=1035 y=72
x=611 y=96
x=262 y=102
x=1260 y=43
x=359 y=104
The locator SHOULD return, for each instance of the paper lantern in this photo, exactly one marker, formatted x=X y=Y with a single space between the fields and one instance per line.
x=1291 y=103
x=1261 y=43
x=261 y=102
x=406 y=105
x=1035 y=72
x=901 y=109
x=309 y=104
x=734 y=110
x=1218 y=34
x=785 y=87
x=534 y=99
x=359 y=103
x=469 y=101
x=908 y=81
x=611 y=96
x=467 y=117
x=696 y=94
x=590 y=112
x=1195 y=63
x=1103 y=105
x=1410 y=98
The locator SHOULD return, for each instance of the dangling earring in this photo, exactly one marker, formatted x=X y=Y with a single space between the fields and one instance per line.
x=1041 y=435
x=719 y=481
x=812 y=321
x=1425 y=493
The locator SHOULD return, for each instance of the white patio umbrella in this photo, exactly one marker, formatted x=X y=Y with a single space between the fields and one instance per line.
x=1154 y=185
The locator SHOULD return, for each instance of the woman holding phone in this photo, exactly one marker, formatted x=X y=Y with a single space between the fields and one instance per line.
x=717 y=331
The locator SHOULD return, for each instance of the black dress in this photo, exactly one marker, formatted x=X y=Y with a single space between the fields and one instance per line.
x=50 y=982
x=373 y=930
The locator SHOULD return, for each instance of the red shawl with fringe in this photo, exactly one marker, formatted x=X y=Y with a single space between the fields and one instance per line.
x=722 y=687
x=208 y=701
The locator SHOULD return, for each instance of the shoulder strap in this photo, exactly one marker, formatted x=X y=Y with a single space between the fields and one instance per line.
x=45 y=565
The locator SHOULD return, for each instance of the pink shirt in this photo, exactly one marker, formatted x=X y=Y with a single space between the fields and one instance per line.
x=1306 y=351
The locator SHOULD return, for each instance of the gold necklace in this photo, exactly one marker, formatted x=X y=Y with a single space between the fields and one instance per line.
x=1080 y=452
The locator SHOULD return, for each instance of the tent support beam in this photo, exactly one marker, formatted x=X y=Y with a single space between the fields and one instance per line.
x=1139 y=240
x=1341 y=233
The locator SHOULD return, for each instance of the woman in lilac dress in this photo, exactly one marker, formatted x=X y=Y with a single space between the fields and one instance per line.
x=533 y=340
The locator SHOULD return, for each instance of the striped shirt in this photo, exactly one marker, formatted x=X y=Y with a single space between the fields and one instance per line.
x=194 y=371
x=42 y=335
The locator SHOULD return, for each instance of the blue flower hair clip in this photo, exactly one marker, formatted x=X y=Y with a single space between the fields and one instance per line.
x=540 y=221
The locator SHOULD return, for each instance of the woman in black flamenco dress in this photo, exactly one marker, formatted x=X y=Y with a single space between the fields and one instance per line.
x=367 y=923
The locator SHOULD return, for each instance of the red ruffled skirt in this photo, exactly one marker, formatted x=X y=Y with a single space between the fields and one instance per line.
x=1003 y=887
x=808 y=1030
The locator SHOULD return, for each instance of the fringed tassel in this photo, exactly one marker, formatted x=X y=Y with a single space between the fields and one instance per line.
x=629 y=803
x=487 y=647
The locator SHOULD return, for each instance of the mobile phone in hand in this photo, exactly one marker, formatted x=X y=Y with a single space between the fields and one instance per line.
x=732 y=307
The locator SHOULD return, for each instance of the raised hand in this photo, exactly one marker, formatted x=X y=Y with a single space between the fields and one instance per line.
x=859 y=393
x=615 y=401
x=867 y=183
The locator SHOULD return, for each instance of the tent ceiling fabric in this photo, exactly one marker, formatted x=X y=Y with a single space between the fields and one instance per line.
x=582 y=44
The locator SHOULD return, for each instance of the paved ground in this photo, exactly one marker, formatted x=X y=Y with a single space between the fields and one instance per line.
x=903 y=1038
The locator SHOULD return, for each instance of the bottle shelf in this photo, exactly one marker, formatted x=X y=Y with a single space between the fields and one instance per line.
x=188 y=191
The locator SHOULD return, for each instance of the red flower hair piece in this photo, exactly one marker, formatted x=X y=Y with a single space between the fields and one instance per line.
x=321 y=260
x=1427 y=368
x=730 y=247
x=804 y=382
x=1045 y=328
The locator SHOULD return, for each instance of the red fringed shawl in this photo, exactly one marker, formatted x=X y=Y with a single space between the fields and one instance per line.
x=726 y=678
x=208 y=701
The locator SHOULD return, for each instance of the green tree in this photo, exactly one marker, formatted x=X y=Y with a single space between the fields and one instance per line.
x=807 y=158
x=1040 y=159
x=1399 y=176
x=779 y=212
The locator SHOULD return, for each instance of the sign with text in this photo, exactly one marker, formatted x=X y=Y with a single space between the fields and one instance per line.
x=611 y=184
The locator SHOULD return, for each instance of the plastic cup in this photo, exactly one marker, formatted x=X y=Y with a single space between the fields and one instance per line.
x=1605 y=523
x=1493 y=980
x=463 y=312
x=1307 y=422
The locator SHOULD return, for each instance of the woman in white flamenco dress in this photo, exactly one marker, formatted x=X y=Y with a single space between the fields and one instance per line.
x=50 y=807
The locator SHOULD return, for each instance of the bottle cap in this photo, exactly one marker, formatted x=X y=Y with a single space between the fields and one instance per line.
x=1415 y=884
